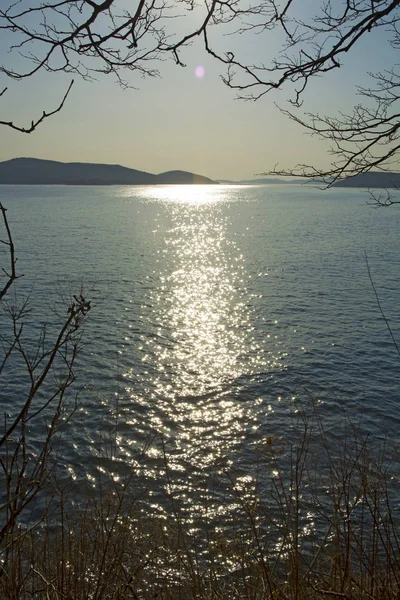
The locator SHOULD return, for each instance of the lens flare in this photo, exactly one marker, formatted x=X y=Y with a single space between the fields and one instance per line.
x=199 y=71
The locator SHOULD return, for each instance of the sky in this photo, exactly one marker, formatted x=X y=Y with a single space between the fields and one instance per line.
x=186 y=119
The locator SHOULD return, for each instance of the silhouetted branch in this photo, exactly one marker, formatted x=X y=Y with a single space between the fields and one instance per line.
x=382 y=199
x=85 y=37
x=380 y=306
x=45 y=115
x=362 y=141
x=11 y=273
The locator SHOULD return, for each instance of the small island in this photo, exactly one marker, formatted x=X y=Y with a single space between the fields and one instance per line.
x=34 y=171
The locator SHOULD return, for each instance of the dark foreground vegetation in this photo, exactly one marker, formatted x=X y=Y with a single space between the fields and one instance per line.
x=319 y=521
x=317 y=518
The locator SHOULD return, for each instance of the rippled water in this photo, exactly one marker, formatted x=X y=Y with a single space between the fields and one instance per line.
x=214 y=308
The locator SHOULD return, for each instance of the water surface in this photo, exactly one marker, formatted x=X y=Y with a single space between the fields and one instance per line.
x=214 y=308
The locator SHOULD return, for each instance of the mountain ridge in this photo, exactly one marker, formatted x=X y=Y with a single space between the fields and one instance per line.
x=37 y=171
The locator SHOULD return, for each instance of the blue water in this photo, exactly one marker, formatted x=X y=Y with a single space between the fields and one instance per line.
x=215 y=310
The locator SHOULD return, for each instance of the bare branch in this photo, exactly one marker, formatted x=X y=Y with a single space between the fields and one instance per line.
x=11 y=274
x=380 y=306
x=40 y=120
x=86 y=38
x=382 y=199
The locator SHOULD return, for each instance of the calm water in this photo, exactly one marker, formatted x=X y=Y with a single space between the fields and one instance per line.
x=214 y=308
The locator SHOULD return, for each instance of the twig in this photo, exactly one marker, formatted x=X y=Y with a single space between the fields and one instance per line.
x=45 y=115
x=380 y=306
x=12 y=276
x=331 y=593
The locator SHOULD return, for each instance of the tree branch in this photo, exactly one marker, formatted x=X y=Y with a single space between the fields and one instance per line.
x=35 y=124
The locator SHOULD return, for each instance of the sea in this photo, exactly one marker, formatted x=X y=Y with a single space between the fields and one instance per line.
x=220 y=315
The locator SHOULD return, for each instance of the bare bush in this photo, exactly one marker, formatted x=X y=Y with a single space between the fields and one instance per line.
x=319 y=521
x=36 y=403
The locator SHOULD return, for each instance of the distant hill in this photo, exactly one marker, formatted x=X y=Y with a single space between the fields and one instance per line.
x=372 y=179
x=274 y=180
x=44 y=172
x=181 y=177
x=267 y=180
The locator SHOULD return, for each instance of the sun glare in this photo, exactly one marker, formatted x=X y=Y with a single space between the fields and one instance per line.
x=186 y=194
x=203 y=338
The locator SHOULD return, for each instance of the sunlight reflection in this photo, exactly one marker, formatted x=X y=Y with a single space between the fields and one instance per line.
x=195 y=394
x=185 y=194
x=203 y=347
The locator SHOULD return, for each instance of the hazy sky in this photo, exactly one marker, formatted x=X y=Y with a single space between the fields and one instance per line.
x=179 y=121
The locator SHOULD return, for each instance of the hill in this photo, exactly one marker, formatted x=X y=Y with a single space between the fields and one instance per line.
x=34 y=171
x=274 y=181
x=268 y=181
x=183 y=177
x=372 y=179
